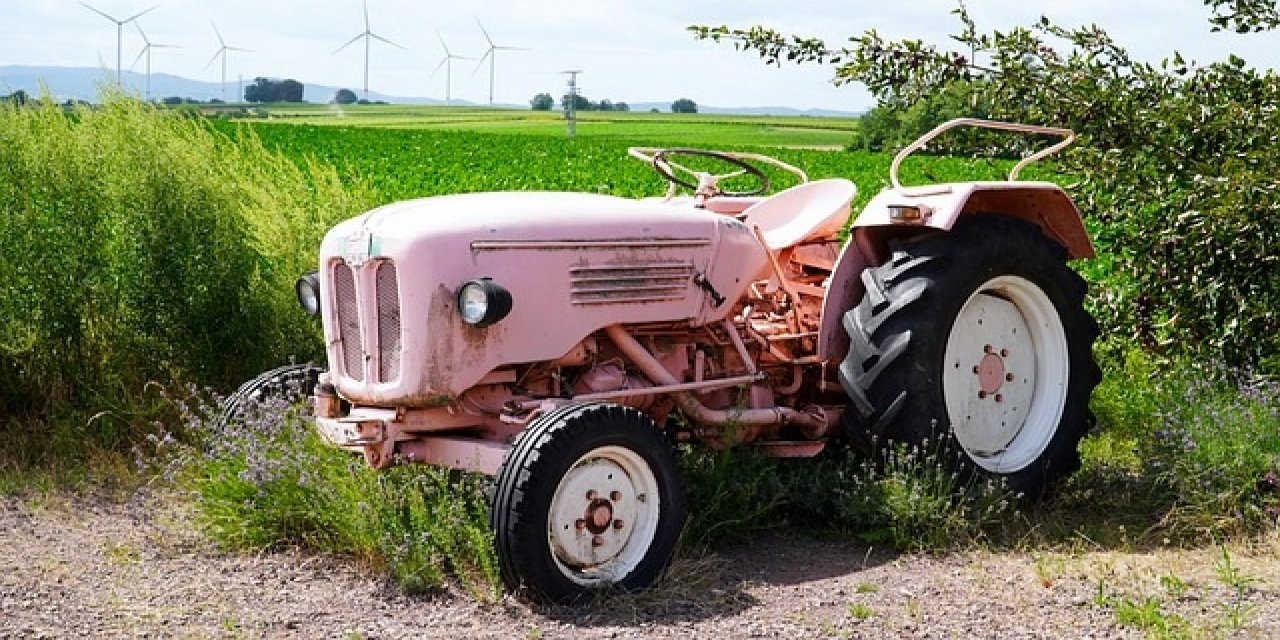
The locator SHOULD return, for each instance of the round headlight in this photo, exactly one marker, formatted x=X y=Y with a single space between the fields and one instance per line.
x=308 y=289
x=482 y=302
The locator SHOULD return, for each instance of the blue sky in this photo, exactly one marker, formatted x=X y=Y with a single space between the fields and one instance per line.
x=630 y=50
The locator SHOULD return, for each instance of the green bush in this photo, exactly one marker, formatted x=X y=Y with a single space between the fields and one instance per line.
x=1175 y=164
x=1205 y=441
x=140 y=246
x=905 y=498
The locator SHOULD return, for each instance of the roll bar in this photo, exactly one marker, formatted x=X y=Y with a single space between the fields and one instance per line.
x=1068 y=136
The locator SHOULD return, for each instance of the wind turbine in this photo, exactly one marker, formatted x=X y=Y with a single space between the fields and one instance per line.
x=367 y=34
x=119 y=32
x=222 y=51
x=492 y=57
x=146 y=50
x=447 y=63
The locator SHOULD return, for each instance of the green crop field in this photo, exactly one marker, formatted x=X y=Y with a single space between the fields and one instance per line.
x=408 y=163
x=659 y=128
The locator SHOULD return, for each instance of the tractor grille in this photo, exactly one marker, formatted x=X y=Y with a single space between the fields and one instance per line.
x=637 y=282
x=388 y=322
x=350 y=292
x=348 y=308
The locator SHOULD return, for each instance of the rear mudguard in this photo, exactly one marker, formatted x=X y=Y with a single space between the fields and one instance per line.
x=940 y=206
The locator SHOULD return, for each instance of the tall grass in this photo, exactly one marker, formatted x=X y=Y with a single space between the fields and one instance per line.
x=138 y=246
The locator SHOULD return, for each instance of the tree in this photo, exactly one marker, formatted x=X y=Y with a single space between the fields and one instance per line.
x=345 y=96
x=268 y=90
x=684 y=105
x=621 y=106
x=1173 y=163
x=580 y=102
x=17 y=98
x=542 y=102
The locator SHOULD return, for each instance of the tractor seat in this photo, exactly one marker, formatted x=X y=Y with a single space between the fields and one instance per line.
x=806 y=211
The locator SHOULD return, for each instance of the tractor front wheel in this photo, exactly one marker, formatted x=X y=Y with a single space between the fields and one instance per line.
x=588 y=500
x=976 y=344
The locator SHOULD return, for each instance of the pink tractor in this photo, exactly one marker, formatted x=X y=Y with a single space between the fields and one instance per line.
x=562 y=342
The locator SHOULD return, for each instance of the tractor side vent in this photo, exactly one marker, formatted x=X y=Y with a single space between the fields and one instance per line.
x=388 y=322
x=634 y=282
x=348 y=310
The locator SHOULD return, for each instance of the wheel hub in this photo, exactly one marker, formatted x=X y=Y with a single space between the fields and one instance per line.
x=1006 y=374
x=990 y=372
x=602 y=515
x=599 y=516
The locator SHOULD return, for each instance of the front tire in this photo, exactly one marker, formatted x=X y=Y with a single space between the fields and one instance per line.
x=975 y=340
x=588 y=500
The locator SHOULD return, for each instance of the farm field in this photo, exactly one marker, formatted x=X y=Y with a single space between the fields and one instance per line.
x=664 y=129
x=407 y=163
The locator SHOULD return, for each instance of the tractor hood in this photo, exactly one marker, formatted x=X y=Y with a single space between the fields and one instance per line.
x=573 y=263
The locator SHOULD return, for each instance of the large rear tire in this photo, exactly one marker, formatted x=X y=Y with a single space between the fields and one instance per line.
x=975 y=344
x=588 y=501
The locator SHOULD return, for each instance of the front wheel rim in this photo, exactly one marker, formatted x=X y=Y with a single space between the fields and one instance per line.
x=603 y=517
x=1006 y=374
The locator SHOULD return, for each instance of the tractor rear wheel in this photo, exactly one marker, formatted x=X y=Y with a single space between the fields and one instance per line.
x=588 y=501
x=975 y=344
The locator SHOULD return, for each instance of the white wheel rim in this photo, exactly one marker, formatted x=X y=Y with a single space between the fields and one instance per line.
x=603 y=516
x=1006 y=373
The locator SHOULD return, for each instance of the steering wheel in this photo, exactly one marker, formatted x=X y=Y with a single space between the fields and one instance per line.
x=706 y=185
x=703 y=180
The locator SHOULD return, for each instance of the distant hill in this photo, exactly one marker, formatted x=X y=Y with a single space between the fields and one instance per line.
x=81 y=83
x=751 y=111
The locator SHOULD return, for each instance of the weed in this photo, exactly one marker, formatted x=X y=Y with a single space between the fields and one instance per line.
x=1173 y=586
x=121 y=554
x=1147 y=614
x=861 y=611
x=913 y=609
x=1236 y=612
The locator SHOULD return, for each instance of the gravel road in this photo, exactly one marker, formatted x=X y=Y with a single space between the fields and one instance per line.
x=85 y=567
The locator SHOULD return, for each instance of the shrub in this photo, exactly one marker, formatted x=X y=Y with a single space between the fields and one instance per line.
x=1175 y=163
x=1205 y=442
x=140 y=246
x=269 y=480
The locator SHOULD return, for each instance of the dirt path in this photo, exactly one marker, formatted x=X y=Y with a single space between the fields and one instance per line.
x=99 y=569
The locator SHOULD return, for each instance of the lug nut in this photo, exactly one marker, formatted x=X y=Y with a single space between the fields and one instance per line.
x=617 y=524
x=999 y=398
x=976 y=371
x=615 y=495
x=580 y=524
x=986 y=349
x=597 y=541
x=1004 y=353
x=982 y=394
x=591 y=495
x=1008 y=377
